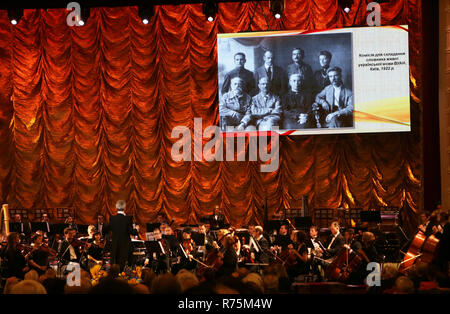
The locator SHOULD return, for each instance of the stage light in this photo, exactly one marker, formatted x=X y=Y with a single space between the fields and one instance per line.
x=345 y=5
x=277 y=8
x=145 y=13
x=15 y=15
x=210 y=9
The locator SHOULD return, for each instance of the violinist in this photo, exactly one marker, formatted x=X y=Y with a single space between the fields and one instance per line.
x=188 y=249
x=159 y=260
x=95 y=251
x=38 y=257
x=68 y=250
x=282 y=240
x=15 y=262
x=228 y=252
x=296 y=259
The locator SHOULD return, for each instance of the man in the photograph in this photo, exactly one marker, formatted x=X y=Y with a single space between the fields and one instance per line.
x=265 y=109
x=321 y=79
x=296 y=104
x=298 y=66
x=234 y=104
x=241 y=72
x=276 y=76
x=335 y=102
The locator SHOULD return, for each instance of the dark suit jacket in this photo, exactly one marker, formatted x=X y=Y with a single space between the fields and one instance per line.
x=262 y=256
x=121 y=227
x=336 y=246
x=278 y=82
x=64 y=252
x=16 y=227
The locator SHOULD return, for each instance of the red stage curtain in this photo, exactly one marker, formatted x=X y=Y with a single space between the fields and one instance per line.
x=86 y=115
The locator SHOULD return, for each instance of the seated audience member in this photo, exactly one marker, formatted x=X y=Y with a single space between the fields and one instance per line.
x=111 y=286
x=165 y=284
x=264 y=111
x=28 y=287
x=334 y=103
x=234 y=104
x=296 y=104
x=186 y=279
x=256 y=280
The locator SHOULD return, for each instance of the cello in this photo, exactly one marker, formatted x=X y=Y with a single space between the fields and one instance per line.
x=336 y=268
x=422 y=247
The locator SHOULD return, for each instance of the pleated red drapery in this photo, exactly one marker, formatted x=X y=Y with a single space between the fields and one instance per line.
x=86 y=115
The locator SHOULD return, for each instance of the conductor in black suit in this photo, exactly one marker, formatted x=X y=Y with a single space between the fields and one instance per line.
x=121 y=227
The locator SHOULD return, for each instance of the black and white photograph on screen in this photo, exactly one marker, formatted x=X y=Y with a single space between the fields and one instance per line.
x=290 y=82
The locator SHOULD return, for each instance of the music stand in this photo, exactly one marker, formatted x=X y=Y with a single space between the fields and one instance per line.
x=154 y=247
x=153 y=226
x=173 y=242
x=199 y=238
x=370 y=216
x=272 y=225
x=303 y=222
x=243 y=235
x=35 y=226
x=83 y=229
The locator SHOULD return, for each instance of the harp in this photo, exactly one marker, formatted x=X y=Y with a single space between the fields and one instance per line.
x=4 y=217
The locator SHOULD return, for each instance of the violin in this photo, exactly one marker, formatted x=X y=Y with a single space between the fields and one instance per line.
x=45 y=248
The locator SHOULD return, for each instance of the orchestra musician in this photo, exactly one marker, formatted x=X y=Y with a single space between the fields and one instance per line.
x=296 y=259
x=70 y=221
x=369 y=254
x=66 y=251
x=217 y=219
x=48 y=229
x=13 y=258
x=159 y=260
x=38 y=257
x=427 y=223
x=228 y=253
x=100 y=225
x=95 y=250
x=335 y=242
x=351 y=242
x=282 y=239
x=442 y=232
x=208 y=244
x=314 y=243
x=20 y=227
x=187 y=249
x=260 y=256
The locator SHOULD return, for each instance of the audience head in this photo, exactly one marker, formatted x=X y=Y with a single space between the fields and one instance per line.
x=186 y=279
x=32 y=275
x=165 y=284
x=404 y=285
x=28 y=287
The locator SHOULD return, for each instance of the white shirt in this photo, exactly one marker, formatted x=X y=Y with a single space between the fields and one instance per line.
x=337 y=93
x=120 y=212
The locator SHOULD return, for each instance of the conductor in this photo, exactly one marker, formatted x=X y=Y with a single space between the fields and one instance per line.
x=121 y=227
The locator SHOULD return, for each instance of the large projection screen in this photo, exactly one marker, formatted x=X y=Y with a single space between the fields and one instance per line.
x=352 y=80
